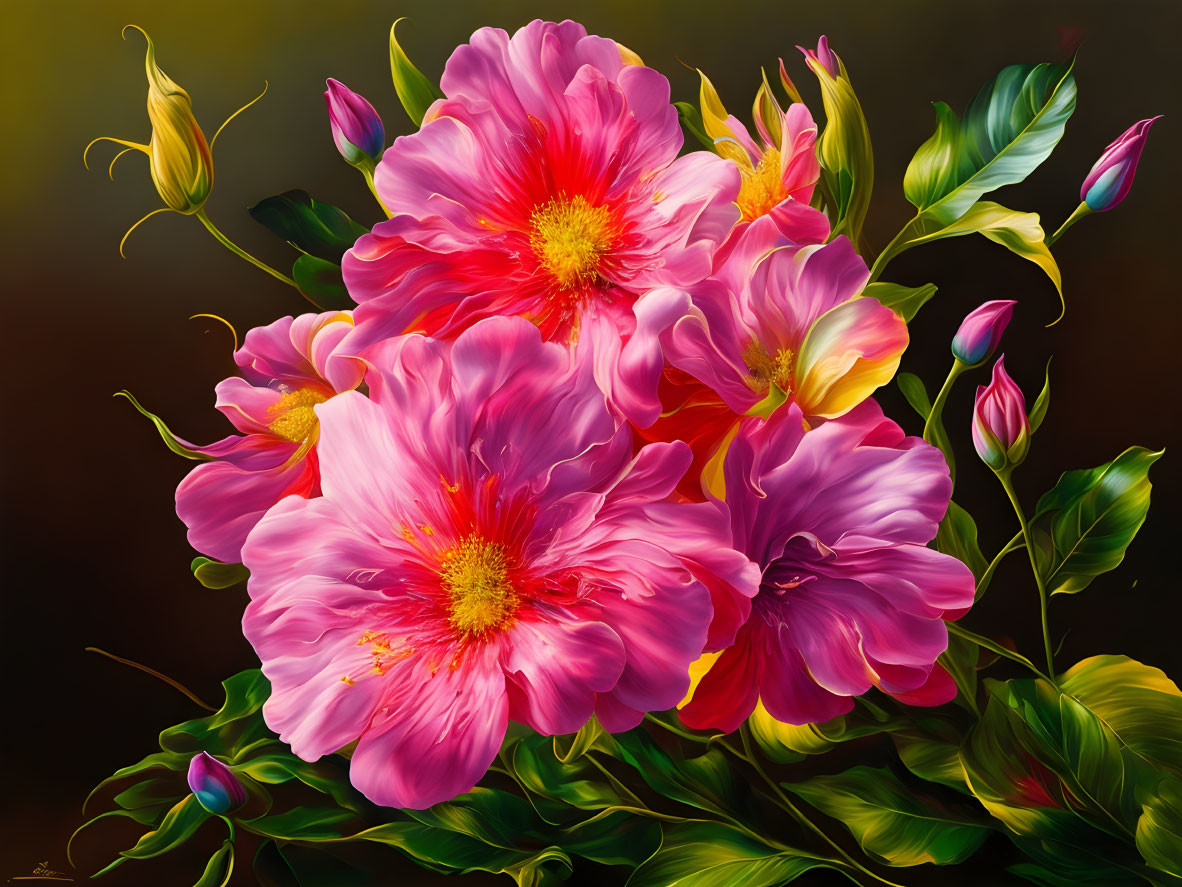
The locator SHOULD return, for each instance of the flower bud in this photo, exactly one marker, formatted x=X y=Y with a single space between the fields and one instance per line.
x=825 y=56
x=179 y=157
x=1112 y=176
x=356 y=127
x=980 y=332
x=217 y=789
x=1001 y=430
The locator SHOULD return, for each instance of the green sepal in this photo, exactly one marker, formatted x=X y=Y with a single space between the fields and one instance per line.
x=170 y=440
x=1084 y=525
x=321 y=283
x=415 y=91
x=315 y=228
x=220 y=867
x=892 y=823
x=1038 y=412
x=691 y=122
x=903 y=300
x=215 y=574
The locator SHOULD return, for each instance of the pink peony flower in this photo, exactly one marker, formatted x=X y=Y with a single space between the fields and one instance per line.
x=779 y=323
x=546 y=185
x=838 y=519
x=487 y=548
x=288 y=367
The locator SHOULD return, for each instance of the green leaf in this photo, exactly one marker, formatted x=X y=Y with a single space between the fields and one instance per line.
x=304 y=824
x=315 y=228
x=415 y=91
x=219 y=868
x=171 y=441
x=1159 y=830
x=705 y=782
x=957 y=536
x=786 y=743
x=1038 y=412
x=322 y=283
x=1084 y=525
x=912 y=387
x=931 y=758
x=178 y=826
x=215 y=574
x=903 y=300
x=576 y=783
x=710 y=854
x=1010 y=128
x=580 y=743
x=619 y=838
x=960 y=660
x=691 y=122
x=890 y=822
x=847 y=158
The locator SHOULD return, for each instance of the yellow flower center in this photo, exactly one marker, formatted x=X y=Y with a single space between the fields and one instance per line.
x=766 y=368
x=762 y=188
x=295 y=420
x=476 y=576
x=569 y=237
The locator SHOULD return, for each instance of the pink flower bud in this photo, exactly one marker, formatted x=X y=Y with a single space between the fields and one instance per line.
x=216 y=787
x=1001 y=430
x=356 y=127
x=1112 y=176
x=980 y=332
x=823 y=55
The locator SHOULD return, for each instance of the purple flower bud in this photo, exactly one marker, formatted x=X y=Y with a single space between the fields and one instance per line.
x=1112 y=176
x=217 y=789
x=824 y=56
x=1001 y=430
x=980 y=332
x=356 y=127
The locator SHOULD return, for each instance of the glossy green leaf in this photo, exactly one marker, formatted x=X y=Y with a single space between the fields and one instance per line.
x=903 y=300
x=1010 y=128
x=570 y=748
x=691 y=122
x=178 y=826
x=304 y=824
x=1084 y=525
x=931 y=758
x=957 y=536
x=576 y=783
x=710 y=854
x=322 y=283
x=315 y=228
x=705 y=781
x=415 y=91
x=889 y=821
x=847 y=158
x=915 y=393
x=960 y=661
x=617 y=838
x=1159 y=830
x=215 y=574
x=219 y=868
x=786 y=743
x=170 y=440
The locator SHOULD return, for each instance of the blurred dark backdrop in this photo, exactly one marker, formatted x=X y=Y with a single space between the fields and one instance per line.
x=93 y=552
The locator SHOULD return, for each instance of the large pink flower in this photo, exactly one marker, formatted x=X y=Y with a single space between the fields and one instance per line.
x=838 y=519
x=487 y=547
x=546 y=185
x=287 y=368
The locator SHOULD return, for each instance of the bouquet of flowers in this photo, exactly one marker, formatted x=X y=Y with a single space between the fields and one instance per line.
x=569 y=522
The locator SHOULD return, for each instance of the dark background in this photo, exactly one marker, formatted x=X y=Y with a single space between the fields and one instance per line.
x=93 y=552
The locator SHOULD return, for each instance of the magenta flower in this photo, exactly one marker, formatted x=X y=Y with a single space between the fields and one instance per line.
x=851 y=598
x=824 y=56
x=217 y=789
x=546 y=185
x=288 y=367
x=1001 y=429
x=1112 y=175
x=980 y=332
x=356 y=127
x=487 y=548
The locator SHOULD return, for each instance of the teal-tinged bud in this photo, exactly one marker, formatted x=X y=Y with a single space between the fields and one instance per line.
x=216 y=788
x=1111 y=177
x=356 y=127
x=980 y=332
x=1001 y=429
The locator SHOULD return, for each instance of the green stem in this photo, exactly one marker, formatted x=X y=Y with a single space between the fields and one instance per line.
x=238 y=251
x=987 y=576
x=888 y=252
x=1080 y=211
x=994 y=647
x=748 y=755
x=367 y=172
x=676 y=730
x=230 y=825
x=1004 y=477
x=933 y=419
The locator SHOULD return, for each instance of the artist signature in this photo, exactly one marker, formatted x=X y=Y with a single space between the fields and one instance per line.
x=42 y=872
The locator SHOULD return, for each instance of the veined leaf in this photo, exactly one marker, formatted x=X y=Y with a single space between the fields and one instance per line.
x=321 y=281
x=1010 y=128
x=932 y=759
x=415 y=91
x=957 y=536
x=889 y=821
x=1159 y=830
x=710 y=854
x=1084 y=525
x=787 y=743
x=315 y=228
x=903 y=300
x=912 y=387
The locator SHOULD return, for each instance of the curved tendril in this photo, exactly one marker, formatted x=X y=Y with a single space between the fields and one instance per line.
x=266 y=86
x=111 y=168
x=130 y=145
x=233 y=331
x=176 y=685
x=163 y=209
